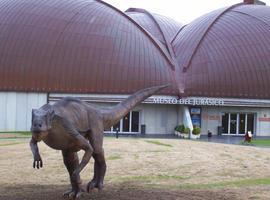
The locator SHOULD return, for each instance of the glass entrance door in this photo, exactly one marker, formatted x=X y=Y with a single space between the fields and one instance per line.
x=250 y=123
x=242 y=124
x=237 y=123
x=225 y=122
x=129 y=124
x=233 y=123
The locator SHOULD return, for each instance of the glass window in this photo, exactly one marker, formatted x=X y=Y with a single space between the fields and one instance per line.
x=225 y=122
x=237 y=123
x=242 y=124
x=135 y=121
x=130 y=123
x=125 y=125
x=250 y=123
x=233 y=123
x=117 y=126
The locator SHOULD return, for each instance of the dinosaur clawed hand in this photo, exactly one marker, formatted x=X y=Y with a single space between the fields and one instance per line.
x=74 y=194
x=37 y=162
x=94 y=184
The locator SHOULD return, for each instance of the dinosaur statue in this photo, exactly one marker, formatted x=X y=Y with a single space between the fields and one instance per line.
x=71 y=125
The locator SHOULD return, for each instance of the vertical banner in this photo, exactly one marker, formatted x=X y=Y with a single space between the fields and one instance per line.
x=195 y=114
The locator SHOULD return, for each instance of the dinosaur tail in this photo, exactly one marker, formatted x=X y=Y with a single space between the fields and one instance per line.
x=113 y=115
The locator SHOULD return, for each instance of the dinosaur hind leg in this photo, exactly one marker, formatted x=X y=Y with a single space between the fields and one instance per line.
x=99 y=172
x=71 y=162
x=96 y=141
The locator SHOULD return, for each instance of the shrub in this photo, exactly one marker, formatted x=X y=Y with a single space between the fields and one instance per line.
x=186 y=130
x=180 y=128
x=196 y=131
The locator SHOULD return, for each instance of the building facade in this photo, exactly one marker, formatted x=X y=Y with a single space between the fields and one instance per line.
x=156 y=115
x=218 y=65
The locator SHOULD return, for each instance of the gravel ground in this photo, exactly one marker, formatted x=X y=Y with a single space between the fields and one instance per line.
x=143 y=169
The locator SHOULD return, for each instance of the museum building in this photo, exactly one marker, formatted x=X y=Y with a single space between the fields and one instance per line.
x=218 y=65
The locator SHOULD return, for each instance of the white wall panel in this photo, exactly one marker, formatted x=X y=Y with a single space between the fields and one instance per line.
x=3 y=111
x=159 y=119
x=21 y=111
x=34 y=101
x=263 y=122
x=15 y=109
x=11 y=111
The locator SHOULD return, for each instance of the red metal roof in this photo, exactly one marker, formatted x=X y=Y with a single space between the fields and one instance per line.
x=226 y=53
x=88 y=46
x=164 y=30
x=76 y=46
x=161 y=27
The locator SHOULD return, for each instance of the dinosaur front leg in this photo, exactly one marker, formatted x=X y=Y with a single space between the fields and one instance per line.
x=71 y=162
x=37 y=159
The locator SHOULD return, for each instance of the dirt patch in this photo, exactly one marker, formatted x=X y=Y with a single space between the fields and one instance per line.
x=53 y=192
x=138 y=169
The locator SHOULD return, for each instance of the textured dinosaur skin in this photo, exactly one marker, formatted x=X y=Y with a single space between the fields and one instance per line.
x=71 y=125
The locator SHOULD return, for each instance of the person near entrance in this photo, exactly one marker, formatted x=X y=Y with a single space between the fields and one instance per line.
x=248 y=137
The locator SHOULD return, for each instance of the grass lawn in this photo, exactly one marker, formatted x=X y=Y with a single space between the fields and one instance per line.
x=17 y=132
x=260 y=142
x=14 y=135
x=139 y=168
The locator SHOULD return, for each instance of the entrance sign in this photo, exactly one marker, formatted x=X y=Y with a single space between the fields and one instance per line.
x=190 y=101
x=195 y=114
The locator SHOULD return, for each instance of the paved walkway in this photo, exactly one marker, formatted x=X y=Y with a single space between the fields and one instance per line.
x=225 y=139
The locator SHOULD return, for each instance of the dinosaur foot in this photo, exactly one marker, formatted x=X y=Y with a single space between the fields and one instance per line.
x=74 y=194
x=94 y=184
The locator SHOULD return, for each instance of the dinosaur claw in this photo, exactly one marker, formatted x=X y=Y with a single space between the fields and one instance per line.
x=100 y=186
x=91 y=185
x=73 y=194
x=94 y=184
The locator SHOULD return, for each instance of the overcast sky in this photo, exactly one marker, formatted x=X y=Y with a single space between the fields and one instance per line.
x=183 y=11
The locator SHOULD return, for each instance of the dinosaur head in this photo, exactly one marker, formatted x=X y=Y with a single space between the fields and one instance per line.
x=41 y=123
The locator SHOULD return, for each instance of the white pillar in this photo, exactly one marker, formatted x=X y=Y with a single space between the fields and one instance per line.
x=187 y=118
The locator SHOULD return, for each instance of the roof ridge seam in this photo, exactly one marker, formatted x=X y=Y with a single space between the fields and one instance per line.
x=263 y=21
x=159 y=28
x=184 y=70
x=206 y=31
x=142 y=29
x=179 y=85
x=180 y=29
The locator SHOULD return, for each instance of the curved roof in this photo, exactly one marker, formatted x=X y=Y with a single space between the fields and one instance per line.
x=164 y=30
x=161 y=27
x=88 y=46
x=76 y=46
x=226 y=53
